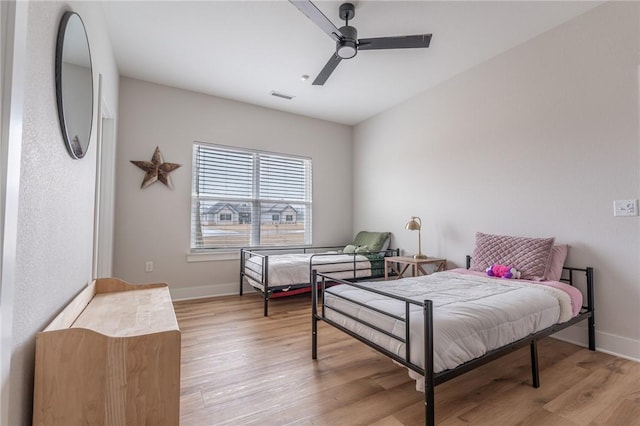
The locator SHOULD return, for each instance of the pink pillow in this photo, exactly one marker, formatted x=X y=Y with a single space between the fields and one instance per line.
x=556 y=262
x=530 y=256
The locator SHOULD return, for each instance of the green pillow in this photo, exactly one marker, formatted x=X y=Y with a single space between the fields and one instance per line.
x=373 y=240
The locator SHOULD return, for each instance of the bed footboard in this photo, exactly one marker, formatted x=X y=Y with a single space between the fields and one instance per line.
x=258 y=274
x=319 y=283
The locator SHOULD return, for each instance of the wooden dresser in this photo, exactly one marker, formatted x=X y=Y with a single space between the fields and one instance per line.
x=111 y=357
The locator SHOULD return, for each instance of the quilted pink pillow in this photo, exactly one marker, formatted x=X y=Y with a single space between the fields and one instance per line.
x=530 y=256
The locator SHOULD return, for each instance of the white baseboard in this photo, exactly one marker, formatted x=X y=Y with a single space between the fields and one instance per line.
x=201 y=292
x=612 y=344
x=622 y=347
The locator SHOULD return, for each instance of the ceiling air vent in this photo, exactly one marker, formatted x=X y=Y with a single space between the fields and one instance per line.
x=281 y=95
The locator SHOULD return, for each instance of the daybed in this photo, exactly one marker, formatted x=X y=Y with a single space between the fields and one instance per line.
x=278 y=272
x=461 y=319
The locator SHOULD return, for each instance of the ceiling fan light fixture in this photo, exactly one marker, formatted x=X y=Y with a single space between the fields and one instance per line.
x=346 y=49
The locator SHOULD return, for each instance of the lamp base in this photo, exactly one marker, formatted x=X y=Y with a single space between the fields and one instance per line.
x=419 y=256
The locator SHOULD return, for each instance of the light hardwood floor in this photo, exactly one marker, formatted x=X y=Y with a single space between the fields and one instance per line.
x=240 y=368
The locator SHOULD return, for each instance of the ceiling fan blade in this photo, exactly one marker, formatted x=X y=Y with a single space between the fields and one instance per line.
x=398 y=42
x=312 y=12
x=331 y=65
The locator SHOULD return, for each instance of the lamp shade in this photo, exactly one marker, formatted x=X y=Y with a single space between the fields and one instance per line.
x=415 y=224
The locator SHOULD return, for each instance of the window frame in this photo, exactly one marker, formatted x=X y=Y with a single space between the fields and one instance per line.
x=302 y=198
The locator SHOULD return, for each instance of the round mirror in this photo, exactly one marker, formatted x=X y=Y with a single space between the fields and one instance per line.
x=74 y=84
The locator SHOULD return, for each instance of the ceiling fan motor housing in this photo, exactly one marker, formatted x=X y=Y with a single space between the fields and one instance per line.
x=347 y=46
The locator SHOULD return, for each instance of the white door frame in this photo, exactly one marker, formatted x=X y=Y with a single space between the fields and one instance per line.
x=102 y=264
x=13 y=42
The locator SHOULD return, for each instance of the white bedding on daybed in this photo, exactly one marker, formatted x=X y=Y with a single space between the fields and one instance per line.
x=472 y=314
x=293 y=268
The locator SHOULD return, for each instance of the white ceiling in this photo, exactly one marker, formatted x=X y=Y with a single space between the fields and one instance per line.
x=243 y=50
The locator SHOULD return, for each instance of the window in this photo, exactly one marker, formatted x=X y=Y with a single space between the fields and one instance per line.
x=238 y=197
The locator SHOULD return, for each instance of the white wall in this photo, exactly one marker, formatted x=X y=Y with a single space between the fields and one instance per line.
x=55 y=218
x=153 y=224
x=537 y=142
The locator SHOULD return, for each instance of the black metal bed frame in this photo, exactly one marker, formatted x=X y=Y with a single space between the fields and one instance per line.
x=432 y=379
x=262 y=273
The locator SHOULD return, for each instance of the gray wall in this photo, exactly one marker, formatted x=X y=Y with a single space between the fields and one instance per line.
x=538 y=141
x=55 y=225
x=153 y=224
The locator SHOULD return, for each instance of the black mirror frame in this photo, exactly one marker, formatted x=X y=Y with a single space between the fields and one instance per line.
x=62 y=30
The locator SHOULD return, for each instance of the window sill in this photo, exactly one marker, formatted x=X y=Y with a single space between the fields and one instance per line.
x=213 y=256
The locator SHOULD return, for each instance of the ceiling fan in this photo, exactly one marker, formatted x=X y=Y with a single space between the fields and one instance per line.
x=346 y=37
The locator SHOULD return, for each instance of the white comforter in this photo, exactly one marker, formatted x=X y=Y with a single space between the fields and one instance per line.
x=471 y=314
x=293 y=268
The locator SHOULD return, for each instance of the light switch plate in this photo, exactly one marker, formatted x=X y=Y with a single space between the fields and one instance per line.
x=625 y=208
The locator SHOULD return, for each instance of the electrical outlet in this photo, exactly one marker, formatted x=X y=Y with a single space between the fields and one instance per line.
x=625 y=208
x=148 y=266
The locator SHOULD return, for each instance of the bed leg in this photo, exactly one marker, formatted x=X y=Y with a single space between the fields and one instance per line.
x=429 y=399
x=314 y=312
x=592 y=319
x=535 y=376
x=314 y=338
x=241 y=268
x=266 y=305
x=592 y=333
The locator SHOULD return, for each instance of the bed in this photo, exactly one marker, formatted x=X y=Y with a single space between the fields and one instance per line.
x=445 y=324
x=279 y=272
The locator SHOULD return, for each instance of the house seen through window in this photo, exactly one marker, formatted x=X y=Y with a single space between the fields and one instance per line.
x=244 y=198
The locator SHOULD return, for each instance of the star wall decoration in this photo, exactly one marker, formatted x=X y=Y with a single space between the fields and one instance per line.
x=156 y=169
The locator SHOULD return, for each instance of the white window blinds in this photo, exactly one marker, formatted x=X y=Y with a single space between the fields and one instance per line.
x=246 y=198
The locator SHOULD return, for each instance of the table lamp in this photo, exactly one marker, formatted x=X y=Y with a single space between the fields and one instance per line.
x=415 y=224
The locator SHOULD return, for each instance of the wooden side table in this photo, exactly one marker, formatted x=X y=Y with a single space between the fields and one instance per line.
x=395 y=262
